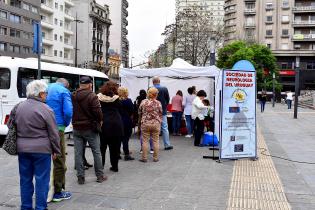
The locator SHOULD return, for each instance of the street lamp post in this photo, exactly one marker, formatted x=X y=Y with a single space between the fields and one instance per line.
x=76 y=39
x=297 y=86
x=273 y=89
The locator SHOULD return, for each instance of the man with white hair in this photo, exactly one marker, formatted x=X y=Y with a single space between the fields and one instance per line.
x=164 y=98
x=59 y=100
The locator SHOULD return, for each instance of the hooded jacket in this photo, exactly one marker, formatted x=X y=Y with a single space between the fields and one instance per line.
x=86 y=110
x=112 y=121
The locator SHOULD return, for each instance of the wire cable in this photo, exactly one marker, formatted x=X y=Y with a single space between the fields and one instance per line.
x=264 y=150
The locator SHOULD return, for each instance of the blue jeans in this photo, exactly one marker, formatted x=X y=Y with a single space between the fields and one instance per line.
x=262 y=106
x=80 y=138
x=189 y=124
x=30 y=165
x=165 y=133
x=289 y=103
x=177 y=118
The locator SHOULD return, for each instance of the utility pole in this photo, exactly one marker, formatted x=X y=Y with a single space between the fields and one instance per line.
x=297 y=86
x=273 y=89
x=76 y=39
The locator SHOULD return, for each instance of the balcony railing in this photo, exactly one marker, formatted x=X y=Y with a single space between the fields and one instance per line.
x=304 y=23
x=250 y=11
x=303 y=37
x=250 y=25
x=303 y=9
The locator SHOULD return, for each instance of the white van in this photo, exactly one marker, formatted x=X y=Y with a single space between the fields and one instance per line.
x=16 y=73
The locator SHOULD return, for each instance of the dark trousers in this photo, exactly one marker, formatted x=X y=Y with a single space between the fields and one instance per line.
x=60 y=166
x=177 y=118
x=199 y=127
x=262 y=106
x=125 y=141
x=113 y=143
x=30 y=165
x=289 y=103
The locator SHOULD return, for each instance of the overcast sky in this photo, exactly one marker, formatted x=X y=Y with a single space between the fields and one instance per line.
x=146 y=21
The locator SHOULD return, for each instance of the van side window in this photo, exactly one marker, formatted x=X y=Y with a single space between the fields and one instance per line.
x=5 y=78
x=98 y=83
x=25 y=76
x=51 y=77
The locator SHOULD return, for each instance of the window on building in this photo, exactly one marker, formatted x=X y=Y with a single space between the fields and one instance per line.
x=285 y=32
x=44 y=35
x=56 y=21
x=269 y=45
x=284 y=46
x=15 y=33
x=27 y=20
x=26 y=50
x=3 y=31
x=269 y=18
x=26 y=6
x=284 y=66
x=15 y=3
x=44 y=51
x=56 y=5
x=34 y=9
x=61 y=23
x=269 y=32
x=66 y=55
x=3 y=46
x=43 y=1
x=61 y=38
x=55 y=37
x=269 y=5
x=55 y=53
x=27 y=35
x=285 y=18
x=15 y=48
x=3 y=15
x=285 y=3
x=61 y=8
x=15 y=18
x=60 y=54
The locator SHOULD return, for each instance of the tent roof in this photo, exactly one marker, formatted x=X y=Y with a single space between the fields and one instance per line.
x=179 y=63
x=210 y=71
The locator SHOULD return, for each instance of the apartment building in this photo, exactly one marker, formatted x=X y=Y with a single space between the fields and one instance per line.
x=16 y=19
x=119 y=44
x=56 y=19
x=93 y=29
x=287 y=27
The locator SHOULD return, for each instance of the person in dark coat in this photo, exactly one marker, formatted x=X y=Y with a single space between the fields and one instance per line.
x=126 y=114
x=263 y=99
x=112 y=128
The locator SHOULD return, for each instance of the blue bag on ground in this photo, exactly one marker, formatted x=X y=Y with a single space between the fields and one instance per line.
x=209 y=139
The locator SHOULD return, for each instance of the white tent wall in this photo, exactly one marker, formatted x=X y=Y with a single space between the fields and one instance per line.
x=134 y=85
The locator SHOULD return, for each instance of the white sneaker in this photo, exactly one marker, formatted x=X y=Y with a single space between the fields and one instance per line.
x=188 y=136
x=140 y=151
x=151 y=152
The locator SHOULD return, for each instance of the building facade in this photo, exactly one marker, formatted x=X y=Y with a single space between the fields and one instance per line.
x=287 y=27
x=119 y=43
x=16 y=19
x=56 y=19
x=92 y=27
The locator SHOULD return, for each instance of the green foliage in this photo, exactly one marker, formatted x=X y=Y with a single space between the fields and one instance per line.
x=261 y=57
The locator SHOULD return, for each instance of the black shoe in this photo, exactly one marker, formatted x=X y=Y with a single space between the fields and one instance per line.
x=168 y=148
x=88 y=165
x=81 y=180
x=119 y=157
x=128 y=157
x=113 y=169
x=101 y=179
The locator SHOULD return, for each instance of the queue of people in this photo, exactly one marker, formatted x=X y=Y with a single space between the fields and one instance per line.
x=101 y=121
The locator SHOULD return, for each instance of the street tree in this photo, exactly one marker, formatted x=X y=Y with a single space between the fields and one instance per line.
x=261 y=57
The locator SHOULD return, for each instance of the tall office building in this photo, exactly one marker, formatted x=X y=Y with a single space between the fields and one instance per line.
x=93 y=28
x=119 y=44
x=287 y=27
x=56 y=18
x=16 y=18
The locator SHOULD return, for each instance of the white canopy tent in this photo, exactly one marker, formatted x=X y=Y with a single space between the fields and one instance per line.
x=179 y=76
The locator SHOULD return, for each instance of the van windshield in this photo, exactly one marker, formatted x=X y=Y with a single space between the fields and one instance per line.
x=5 y=77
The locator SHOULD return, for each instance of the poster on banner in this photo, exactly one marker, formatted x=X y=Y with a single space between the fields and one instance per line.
x=238 y=116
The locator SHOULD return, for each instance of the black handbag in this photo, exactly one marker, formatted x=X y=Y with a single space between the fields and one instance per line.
x=10 y=143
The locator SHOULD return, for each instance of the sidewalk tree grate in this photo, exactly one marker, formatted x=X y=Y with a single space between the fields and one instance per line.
x=256 y=184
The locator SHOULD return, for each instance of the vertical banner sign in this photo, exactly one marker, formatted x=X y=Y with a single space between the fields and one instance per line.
x=238 y=128
x=37 y=40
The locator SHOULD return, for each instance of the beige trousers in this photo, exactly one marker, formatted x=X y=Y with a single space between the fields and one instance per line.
x=152 y=131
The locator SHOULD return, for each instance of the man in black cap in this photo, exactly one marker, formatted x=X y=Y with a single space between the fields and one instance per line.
x=87 y=116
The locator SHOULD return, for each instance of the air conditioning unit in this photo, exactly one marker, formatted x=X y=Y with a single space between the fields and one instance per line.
x=297 y=46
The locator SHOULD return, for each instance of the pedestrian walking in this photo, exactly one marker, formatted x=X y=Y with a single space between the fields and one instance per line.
x=113 y=127
x=262 y=100
x=198 y=109
x=187 y=103
x=59 y=100
x=126 y=115
x=150 y=113
x=37 y=142
x=289 y=99
x=164 y=98
x=87 y=119
x=177 y=112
